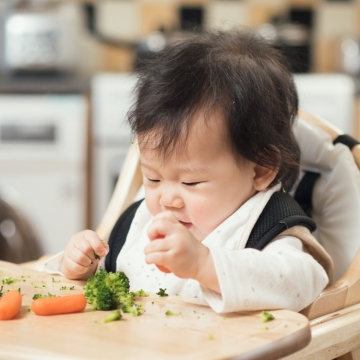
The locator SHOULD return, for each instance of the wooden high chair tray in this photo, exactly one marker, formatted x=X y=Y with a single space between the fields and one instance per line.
x=196 y=333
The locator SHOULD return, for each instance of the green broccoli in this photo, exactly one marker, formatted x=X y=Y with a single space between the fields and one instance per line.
x=107 y=290
x=134 y=310
x=141 y=293
x=115 y=315
x=162 y=292
x=266 y=316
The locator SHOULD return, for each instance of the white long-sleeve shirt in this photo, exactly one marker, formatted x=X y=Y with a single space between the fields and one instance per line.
x=282 y=275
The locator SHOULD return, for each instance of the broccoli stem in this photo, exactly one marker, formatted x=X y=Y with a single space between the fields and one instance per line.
x=115 y=315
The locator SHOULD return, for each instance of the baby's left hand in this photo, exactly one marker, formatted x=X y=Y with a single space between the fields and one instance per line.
x=174 y=247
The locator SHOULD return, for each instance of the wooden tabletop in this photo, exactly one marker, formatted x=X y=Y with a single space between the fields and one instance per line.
x=195 y=333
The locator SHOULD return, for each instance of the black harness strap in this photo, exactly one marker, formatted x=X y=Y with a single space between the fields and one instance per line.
x=118 y=235
x=347 y=140
x=280 y=213
x=303 y=193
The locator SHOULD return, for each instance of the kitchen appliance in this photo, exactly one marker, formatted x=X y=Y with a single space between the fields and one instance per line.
x=43 y=163
x=38 y=36
x=112 y=97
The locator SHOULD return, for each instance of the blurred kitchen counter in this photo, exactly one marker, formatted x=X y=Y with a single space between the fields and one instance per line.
x=35 y=84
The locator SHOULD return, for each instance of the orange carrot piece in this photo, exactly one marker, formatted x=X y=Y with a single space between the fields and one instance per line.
x=59 y=305
x=10 y=305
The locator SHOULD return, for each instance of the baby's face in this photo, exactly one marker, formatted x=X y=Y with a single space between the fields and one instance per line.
x=201 y=185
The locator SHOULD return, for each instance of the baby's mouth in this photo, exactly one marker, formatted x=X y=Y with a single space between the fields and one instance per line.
x=186 y=224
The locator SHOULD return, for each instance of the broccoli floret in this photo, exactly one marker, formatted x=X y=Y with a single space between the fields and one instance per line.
x=115 y=315
x=266 y=316
x=106 y=290
x=134 y=310
x=141 y=293
x=162 y=292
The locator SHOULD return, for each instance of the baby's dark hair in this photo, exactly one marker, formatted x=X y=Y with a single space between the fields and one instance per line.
x=238 y=72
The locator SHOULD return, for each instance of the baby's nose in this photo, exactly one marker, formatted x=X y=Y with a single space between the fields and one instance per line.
x=171 y=202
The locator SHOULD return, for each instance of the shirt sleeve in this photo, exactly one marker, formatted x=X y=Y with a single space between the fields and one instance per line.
x=281 y=276
x=53 y=264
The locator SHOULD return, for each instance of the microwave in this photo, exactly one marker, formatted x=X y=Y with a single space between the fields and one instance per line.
x=38 y=38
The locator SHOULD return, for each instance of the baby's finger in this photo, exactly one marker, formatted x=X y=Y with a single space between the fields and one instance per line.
x=76 y=261
x=156 y=246
x=98 y=248
x=166 y=215
x=159 y=229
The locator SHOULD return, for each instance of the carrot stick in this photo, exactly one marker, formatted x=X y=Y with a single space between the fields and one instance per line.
x=10 y=304
x=59 y=305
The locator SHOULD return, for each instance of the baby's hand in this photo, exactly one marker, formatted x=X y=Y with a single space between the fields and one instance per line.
x=82 y=254
x=174 y=247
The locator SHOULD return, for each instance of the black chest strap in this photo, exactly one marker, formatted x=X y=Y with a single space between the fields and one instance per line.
x=119 y=234
x=280 y=213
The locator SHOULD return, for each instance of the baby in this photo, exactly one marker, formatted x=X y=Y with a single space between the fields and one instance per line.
x=213 y=119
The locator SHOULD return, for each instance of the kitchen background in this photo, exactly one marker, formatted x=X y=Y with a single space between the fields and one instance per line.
x=65 y=87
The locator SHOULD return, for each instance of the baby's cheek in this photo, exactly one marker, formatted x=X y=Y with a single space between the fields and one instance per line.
x=152 y=204
x=205 y=219
x=208 y=218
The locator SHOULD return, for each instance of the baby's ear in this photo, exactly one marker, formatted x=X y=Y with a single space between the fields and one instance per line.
x=263 y=177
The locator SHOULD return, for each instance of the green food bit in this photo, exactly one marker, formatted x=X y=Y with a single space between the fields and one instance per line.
x=55 y=281
x=63 y=288
x=38 y=286
x=41 y=296
x=96 y=255
x=211 y=337
x=162 y=292
x=171 y=313
x=9 y=280
x=114 y=316
x=266 y=316
x=72 y=288
x=141 y=293
x=1 y=293
x=134 y=310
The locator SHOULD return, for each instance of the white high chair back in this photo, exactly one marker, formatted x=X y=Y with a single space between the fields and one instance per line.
x=338 y=300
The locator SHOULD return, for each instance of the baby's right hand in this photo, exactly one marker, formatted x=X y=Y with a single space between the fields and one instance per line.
x=80 y=256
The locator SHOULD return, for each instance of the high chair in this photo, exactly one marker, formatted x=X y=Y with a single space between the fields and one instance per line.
x=335 y=315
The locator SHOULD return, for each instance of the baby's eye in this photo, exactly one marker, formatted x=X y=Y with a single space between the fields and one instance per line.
x=153 y=180
x=191 y=183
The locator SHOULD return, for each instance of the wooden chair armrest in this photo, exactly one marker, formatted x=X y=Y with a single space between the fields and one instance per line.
x=343 y=293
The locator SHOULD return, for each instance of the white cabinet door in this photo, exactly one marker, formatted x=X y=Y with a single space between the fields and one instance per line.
x=53 y=202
